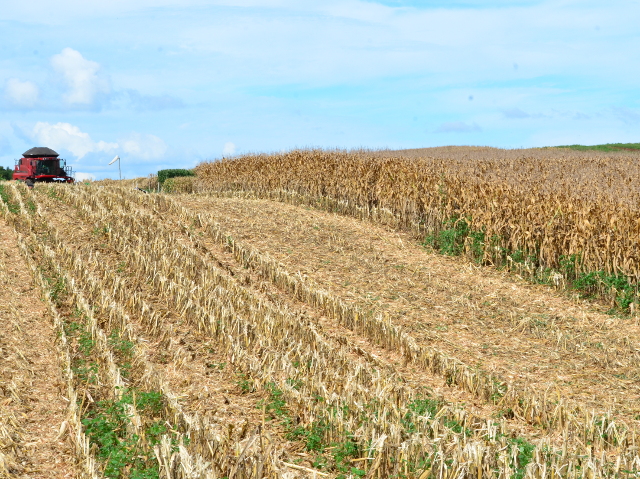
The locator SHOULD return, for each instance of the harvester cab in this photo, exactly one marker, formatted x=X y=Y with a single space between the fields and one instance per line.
x=42 y=164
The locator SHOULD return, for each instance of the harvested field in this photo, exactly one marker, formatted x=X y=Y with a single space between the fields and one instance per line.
x=33 y=399
x=211 y=336
x=522 y=332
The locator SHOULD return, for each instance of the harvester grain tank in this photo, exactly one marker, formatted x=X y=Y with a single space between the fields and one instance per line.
x=41 y=164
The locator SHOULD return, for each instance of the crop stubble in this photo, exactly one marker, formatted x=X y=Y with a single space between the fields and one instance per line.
x=32 y=405
x=524 y=332
x=189 y=360
x=167 y=257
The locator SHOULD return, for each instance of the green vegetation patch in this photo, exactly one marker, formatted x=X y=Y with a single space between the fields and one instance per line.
x=605 y=147
x=524 y=455
x=108 y=422
x=164 y=175
x=13 y=207
x=108 y=425
x=457 y=237
x=6 y=173
x=455 y=234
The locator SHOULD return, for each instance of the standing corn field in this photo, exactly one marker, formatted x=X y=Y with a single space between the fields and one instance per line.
x=543 y=212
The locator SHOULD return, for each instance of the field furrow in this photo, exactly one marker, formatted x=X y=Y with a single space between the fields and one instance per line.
x=208 y=337
x=33 y=401
x=523 y=332
x=291 y=386
x=145 y=372
x=592 y=425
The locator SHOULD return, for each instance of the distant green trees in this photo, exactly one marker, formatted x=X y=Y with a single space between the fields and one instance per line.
x=164 y=175
x=6 y=173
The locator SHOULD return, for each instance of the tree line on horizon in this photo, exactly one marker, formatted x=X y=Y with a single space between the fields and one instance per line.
x=6 y=173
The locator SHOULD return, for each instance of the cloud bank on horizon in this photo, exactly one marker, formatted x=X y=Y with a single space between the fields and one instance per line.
x=170 y=83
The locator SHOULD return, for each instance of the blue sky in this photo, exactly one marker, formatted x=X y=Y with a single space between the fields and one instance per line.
x=170 y=83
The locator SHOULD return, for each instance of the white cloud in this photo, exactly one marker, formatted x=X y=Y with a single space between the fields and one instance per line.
x=64 y=136
x=81 y=176
x=21 y=93
x=229 y=149
x=147 y=147
x=81 y=76
x=379 y=65
x=68 y=137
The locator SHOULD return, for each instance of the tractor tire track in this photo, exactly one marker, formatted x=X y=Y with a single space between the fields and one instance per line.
x=33 y=406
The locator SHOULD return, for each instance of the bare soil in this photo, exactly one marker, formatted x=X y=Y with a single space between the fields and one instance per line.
x=33 y=435
x=530 y=334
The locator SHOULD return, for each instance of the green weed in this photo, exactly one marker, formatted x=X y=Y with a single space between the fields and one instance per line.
x=86 y=343
x=150 y=403
x=245 y=384
x=52 y=193
x=429 y=407
x=86 y=372
x=419 y=408
x=312 y=435
x=524 y=456
x=275 y=405
x=123 y=454
x=456 y=235
x=342 y=453
x=13 y=207
x=56 y=284
x=295 y=383
x=499 y=390
x=72 y=328
x=101 y=230
x=451 y=239
x=123 y=348
x=219 y=366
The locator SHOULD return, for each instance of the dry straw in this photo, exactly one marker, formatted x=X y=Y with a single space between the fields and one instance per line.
x=362 y=396
x=183 y=270
x=551 y=204
x=534 y=406
x=197 y=460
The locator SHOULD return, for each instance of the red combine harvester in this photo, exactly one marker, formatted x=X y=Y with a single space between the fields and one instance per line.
x=42 y=164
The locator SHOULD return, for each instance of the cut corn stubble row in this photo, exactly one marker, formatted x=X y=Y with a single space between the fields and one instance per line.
x=206 y=447
x=111 y=204
x=81 y=442
x=191 y=287
x=238 y=328
x=616 y=348
x=538 y=408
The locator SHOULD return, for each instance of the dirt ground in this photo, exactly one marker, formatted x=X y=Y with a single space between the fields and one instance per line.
x=530 y=334
x=33 y=442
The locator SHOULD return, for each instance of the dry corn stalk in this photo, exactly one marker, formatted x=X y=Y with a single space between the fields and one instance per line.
x=180 y=272
x=549 y=205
